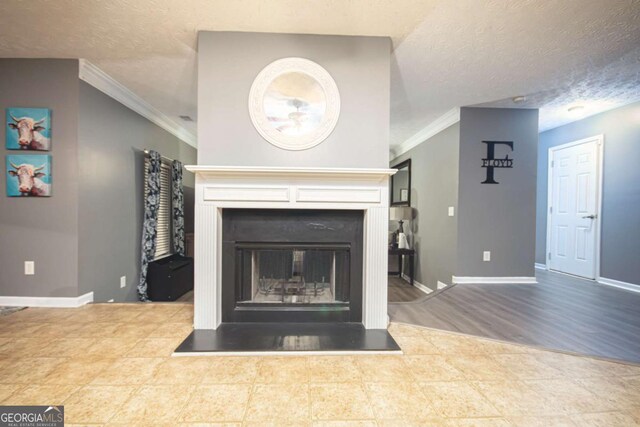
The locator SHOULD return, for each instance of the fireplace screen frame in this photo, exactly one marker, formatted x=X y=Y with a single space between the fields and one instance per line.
x=256 y=229
x=248 y=277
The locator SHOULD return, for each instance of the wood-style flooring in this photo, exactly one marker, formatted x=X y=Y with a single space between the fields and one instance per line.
x=560 y=312
x=188 y=297
x=401 y=291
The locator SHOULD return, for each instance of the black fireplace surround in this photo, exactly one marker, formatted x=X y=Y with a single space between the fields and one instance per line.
x=292 y=265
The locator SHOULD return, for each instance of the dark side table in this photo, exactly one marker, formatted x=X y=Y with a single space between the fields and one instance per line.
x=400 y=253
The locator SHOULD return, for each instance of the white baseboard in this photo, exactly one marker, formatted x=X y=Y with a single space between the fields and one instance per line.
x=541 y=266
x=418 y=285
x=487 y=280
x=60 y=302
x=619 y=284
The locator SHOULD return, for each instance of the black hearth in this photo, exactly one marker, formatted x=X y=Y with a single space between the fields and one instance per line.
x=292 y=265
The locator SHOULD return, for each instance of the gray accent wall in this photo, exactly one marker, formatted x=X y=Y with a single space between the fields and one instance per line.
x=44 y=230
x=497 y=217
x=112 y=139
x=228 y=63
x=434 y=187
x=87 y=234
x=620 y=239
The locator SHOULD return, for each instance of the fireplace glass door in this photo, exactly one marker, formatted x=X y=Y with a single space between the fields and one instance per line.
x=292 y=275
x=291 y=265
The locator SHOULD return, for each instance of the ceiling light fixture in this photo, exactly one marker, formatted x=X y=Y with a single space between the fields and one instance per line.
x=575 y=109
x=519 y=99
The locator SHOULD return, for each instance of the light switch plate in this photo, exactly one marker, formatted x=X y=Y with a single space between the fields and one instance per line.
x=29 y=268
x=123 y=281
x=451 y=210
x=486 y=256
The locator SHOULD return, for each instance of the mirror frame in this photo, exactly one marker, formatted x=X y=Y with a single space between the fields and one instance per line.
x=256 y=103
x=401 y=165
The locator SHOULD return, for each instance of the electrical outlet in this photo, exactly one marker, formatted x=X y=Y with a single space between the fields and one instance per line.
x=451 y=210
x=486 y=256
x=29 y=268
x=123 y=281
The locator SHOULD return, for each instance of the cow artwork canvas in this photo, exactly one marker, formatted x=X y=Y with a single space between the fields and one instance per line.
x=29 y=175
x=28 y=129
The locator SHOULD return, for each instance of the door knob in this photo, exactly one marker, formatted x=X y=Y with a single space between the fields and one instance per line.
x=592 y=216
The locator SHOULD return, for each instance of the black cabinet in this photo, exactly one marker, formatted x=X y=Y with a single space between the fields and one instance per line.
x=169 y=278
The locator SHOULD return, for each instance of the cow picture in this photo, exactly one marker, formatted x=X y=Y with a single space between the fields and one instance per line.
x=28 y=129
x=29 y=175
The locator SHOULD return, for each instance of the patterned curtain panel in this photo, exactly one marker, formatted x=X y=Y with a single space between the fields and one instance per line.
x=151 y=205
x=178 y=208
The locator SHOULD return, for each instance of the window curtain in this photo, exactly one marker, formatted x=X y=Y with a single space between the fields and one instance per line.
x=151 y=205
x=177 y=208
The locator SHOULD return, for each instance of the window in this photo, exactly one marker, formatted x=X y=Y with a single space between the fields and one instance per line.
x=163 y=236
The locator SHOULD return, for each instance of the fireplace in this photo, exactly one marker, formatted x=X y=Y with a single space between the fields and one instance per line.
x=292 y=265
x=343 y=234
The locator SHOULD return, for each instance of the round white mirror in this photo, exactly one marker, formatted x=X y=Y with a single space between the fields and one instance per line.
x=294 y=103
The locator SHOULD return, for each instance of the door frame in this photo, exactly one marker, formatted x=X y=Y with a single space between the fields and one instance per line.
x=599 y=139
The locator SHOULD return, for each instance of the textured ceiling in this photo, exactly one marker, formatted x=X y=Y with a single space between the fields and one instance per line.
x=468 y=52
x=447 y=53
x=597 y=90
x=150 y=45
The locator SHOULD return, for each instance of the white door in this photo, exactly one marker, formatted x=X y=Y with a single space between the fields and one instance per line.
x=573 y=208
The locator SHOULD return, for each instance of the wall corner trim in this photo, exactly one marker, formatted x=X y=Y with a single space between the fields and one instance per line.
x=619 y=284
x=460 y=280
x=449 y=118
x=106 y=84
x=59 y=302
x=540 y=266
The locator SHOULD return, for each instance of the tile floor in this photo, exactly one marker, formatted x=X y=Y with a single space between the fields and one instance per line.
x=111 y=364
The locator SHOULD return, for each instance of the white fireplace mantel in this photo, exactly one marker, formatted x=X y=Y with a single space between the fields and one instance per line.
x=220 y=187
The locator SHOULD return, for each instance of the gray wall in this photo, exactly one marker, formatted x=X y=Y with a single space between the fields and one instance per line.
x=434 y=187
x=111 y=140
x=620 y=242
x=44 y=230
x=498 y=218
x=228 y=62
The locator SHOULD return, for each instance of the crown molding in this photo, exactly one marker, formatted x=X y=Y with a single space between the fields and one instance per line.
x=449 y=118
x=97 y=78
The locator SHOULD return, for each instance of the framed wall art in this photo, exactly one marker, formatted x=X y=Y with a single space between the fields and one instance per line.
x=28 y=129
x=28 y=175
